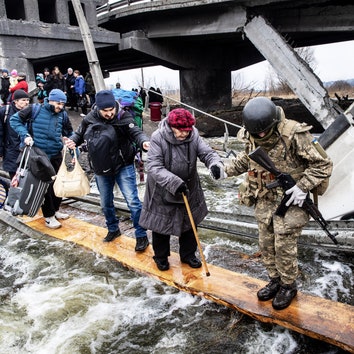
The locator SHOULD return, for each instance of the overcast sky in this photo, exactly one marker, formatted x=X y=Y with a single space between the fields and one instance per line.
x=333 y=62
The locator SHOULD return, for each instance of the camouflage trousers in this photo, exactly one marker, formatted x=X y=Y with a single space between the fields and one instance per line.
x=278 y=239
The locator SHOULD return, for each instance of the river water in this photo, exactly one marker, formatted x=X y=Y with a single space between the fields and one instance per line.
x=59 y=298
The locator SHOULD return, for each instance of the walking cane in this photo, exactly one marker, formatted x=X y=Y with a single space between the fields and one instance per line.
x=195 y=234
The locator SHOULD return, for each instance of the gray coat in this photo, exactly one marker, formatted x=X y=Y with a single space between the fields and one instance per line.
x=169 y=163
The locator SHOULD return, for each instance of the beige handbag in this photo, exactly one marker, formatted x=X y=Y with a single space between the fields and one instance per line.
x=72 y=183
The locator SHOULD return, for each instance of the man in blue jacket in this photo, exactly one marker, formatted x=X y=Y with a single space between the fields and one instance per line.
x=46 y=131
x=112 y=138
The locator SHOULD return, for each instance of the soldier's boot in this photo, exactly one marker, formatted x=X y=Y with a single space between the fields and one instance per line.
x=284 y=296
x=270 y=290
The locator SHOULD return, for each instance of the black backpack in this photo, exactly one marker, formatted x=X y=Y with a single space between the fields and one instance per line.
x=102 y=146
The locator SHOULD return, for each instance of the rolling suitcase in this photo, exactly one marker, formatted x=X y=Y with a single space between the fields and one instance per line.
x=28 y=196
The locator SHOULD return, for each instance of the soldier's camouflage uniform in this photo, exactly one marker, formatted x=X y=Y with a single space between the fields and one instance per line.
x=293 y=152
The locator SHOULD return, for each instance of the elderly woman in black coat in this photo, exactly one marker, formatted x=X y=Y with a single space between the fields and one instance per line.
x=172 y=170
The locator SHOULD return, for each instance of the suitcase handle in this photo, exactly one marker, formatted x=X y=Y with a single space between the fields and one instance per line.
x=25 y=157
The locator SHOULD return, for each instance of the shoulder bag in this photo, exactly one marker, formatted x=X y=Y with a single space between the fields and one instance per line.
x=72 y=183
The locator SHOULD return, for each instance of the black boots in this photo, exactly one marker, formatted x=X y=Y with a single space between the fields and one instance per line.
x=284 y=296
x=111 y=235
x=141 y=244
x=193 y=262
x=270 y=290
x=162 y=263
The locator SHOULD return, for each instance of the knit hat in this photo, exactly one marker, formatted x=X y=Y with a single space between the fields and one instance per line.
x=105 y=99
x=181 y=119
x=5 y=71
x=14 y=72
x=57 y=96
x=18 y=94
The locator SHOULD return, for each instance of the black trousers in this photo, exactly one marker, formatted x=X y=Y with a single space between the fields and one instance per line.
x=51 y=201
x=187 y=245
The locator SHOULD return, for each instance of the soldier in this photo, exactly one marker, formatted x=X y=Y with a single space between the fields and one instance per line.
x=290 y=146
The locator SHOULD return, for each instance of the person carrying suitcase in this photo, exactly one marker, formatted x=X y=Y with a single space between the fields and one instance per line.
x=45 y=131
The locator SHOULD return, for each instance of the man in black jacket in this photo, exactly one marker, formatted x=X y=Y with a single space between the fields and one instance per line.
x=70 y=88
x=112 y=137
x=9 y=139
x=4 y=86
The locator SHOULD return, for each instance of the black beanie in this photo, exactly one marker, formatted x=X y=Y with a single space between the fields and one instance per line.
x=105 y=99
x=20 y=94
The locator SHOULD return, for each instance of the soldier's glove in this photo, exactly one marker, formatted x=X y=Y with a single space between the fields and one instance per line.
x=297 y=196
x=182 y=189
x=217 y=171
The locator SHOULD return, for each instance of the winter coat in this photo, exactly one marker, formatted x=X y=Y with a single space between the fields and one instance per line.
x=70 y=81
x=89 y=85
x=111 y=144
x=171 y=162
x=40 y=81
x=21 y=85
x=55 y=82
x=80 y=85
x=9 y=140
x=47 y=129
x=5 y=85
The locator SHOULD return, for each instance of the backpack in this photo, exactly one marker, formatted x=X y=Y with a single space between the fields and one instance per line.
x=131 y=101
x=102 y=148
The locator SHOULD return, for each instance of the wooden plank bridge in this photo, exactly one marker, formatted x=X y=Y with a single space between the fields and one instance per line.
x=322 y=319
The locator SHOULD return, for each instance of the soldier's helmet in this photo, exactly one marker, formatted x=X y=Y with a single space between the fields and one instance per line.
x=260 y=115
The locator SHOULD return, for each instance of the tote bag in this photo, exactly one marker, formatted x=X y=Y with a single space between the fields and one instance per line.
x=71 y=183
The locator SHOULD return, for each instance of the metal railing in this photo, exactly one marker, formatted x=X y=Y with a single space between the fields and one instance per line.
x=118 y=4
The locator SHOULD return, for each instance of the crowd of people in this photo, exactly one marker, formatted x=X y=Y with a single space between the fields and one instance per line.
x=112 y=139
x=80 y=90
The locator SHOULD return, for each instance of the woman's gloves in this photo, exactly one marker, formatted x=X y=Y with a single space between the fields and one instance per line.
x=297 y=196
x=217 y=171
x=182 y=189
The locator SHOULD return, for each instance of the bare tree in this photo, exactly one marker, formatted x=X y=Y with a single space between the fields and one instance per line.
x=277 y=84
x=238 y=84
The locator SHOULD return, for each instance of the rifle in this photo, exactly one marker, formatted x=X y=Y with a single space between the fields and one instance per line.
x=285 y=181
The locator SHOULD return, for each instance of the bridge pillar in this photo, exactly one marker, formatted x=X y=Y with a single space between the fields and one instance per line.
x=31 y=10
x=62 y=12
x=90 y=12
x=2 y=9
x=206 y=89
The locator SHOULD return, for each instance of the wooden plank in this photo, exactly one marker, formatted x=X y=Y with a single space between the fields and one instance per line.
x=326 y=320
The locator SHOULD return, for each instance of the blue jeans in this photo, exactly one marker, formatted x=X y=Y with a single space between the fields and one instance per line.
x=126 y=180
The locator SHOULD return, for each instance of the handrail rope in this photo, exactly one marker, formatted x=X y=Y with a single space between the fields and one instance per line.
x=195 y=109
x=226 y=134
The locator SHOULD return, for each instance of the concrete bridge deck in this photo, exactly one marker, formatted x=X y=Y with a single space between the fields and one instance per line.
x=204 y=39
